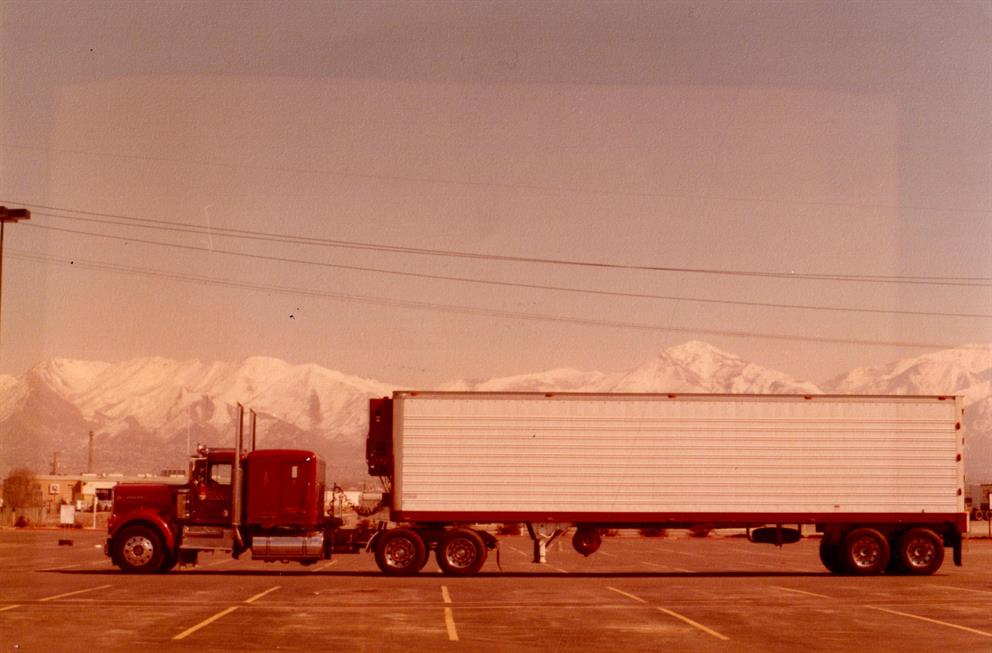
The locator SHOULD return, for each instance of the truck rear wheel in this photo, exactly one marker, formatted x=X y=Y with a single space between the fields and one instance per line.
x=139 y=550
x=865 y=552
x=400 y=552
x=830 y=556
x=461 y=552
x=920 y=552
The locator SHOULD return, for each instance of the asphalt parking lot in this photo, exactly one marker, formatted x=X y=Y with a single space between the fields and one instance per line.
x=636 y=594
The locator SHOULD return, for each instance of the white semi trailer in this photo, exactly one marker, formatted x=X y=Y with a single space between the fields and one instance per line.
x=879 y=477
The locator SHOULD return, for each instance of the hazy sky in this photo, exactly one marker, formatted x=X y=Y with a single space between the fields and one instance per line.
x=804 y=139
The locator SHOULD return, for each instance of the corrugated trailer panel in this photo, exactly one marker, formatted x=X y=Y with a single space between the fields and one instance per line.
x=648 y=454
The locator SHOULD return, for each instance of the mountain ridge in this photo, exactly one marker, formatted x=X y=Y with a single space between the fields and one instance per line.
x=146 y=413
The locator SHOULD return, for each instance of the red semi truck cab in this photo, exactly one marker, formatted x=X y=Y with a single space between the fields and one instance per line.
x=272 y=506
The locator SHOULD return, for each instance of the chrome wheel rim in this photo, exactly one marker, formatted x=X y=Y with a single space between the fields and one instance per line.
x=399 y=553
x=866 y=552
x=460 y=553
x=138 y=550
x=920 y=552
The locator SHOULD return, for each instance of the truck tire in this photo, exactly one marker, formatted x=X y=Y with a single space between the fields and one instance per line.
x=400 y=552
x=895 y=566
x=865 y=552
x=169 y=562
x=920 y=552
x=139 y=550
x=830 y=556
x=461 y=552
x=587 y=541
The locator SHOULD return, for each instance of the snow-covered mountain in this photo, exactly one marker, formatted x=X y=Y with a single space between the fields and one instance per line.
x=964 y=370
x=146 y=412
x=700 y=367
x=690 y=367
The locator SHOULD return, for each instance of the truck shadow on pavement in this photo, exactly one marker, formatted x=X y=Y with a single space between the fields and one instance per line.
x=429 y=576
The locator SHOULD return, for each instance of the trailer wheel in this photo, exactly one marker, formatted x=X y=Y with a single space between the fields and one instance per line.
x=139 y=550
x=920 y=552
x=400 y=552
x=461 y=552
x=865 y=552
x=830 y=556
x=587 y=541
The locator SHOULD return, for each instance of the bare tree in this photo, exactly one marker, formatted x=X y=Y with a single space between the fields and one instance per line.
x=20 y=490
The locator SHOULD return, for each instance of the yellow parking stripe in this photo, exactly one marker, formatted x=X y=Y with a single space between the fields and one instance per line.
x=261 y=594
x=206 y=622
x=672 y=613
x=62 y=596
x=933 y=621
x=629 y=596
x=681 y=617
x=789 y=589
x=449 y=616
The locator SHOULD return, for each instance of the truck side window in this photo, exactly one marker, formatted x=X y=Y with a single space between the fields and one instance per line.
x=220 y=473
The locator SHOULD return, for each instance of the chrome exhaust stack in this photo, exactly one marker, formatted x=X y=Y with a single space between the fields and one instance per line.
x=237 y=484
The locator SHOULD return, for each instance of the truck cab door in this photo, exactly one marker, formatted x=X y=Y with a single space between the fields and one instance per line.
x=210 y=496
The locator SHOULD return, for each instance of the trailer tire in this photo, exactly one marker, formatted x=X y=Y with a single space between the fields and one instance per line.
x=400 y=552
x=865 y=552
x=461 y=552
x=830 y=556
x=895 y=566
x=978 y=514
x=920 y=552
x=139 y=550
x=587 y=541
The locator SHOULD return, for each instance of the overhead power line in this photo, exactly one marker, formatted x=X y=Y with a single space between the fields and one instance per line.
x=511 y=284
x=480 y=311
x=179 y=227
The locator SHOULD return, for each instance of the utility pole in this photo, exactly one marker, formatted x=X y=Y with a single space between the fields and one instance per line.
x=8 y=215
x=89 y=457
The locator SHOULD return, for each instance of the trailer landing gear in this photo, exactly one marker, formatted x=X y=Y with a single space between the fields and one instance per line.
x=544 y=534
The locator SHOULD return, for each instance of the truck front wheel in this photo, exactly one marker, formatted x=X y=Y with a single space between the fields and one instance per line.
x=139 y=550
x=461 y=552
x=400 y=552
x=920 y=552
x=866 y=552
